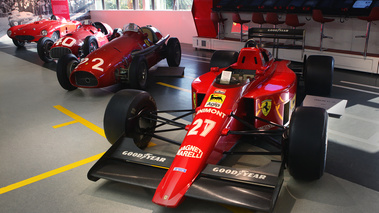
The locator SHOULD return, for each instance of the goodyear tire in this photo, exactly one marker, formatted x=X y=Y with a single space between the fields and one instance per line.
x=43 y=48
x=89 y=45
x=18 y=43
x=66 y=64
x=138 y=73
x=124 y=117
x=223 y=58
x=307 y=143
x=174 y=52
x=318 y=75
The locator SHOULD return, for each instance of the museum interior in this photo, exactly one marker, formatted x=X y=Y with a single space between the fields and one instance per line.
x=156 y=106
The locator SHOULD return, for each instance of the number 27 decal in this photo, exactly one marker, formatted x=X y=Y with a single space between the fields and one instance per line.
x=208 y=126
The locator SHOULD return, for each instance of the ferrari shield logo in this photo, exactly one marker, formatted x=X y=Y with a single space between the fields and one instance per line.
x=266 y=107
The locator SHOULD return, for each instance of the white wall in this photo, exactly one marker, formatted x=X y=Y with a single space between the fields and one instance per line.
x=343 y=33
x=178 y=24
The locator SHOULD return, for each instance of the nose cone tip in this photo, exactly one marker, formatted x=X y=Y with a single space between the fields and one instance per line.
x=167 y=200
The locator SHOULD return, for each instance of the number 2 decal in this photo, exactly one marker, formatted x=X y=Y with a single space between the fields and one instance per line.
x=209 y=125
x=97 y=65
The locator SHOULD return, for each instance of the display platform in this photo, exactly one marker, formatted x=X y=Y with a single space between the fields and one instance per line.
x=334 y=107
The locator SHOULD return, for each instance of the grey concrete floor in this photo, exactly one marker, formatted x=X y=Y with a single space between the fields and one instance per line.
x=50 y=138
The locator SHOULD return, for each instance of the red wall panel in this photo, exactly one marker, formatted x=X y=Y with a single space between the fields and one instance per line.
x=201 y=10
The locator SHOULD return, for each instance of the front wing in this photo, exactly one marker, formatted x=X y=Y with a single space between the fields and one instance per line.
x=254 y=189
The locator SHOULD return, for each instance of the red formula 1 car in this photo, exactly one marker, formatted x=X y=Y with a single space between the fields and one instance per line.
x=126 y=60
x=247 y=98
x=54 y=28
x=80 y=42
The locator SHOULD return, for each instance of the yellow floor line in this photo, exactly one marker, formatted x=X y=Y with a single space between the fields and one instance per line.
x=77 y=119
x=81 y=120
x=49 y=174
x=65 y=124
x=172 y=86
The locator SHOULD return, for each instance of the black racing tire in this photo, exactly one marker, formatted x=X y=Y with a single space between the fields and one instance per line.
x=138 y=73
x=66 y=64
x=18 y=43
x=174 y=52
x=223 y=58
x=123 y=117
x=44 y=45
x=318 y=75
x=307 y=143
x=89 y=45
x=55 y=36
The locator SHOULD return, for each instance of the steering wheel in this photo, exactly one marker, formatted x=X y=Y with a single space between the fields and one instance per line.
x=251 y=43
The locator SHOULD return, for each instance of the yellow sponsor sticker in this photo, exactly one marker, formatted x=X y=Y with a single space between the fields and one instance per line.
x=266 y=106
x=215 y=100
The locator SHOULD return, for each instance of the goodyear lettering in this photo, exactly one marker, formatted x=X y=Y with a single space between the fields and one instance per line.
x=237 y=173
x=147 y=156
x=211 y=111
x=278 y=30
x=190 y=151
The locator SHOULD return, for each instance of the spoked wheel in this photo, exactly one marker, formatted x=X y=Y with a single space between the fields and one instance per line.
x=66 y=64
x=223 y=58
x=55 y=36
x=138 y=73
x=174 y=52
x=307 y=143
x=127 y=115
x=43 y=48
x=90 y=45
x=18 y=43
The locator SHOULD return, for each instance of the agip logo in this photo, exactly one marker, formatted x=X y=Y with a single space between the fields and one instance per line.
x=215 y=100
x=266 y=106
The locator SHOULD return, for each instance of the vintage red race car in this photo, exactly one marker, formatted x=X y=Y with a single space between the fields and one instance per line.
x=247 y=98
x=80 y=42
x=54 y=28
x=125 y=60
